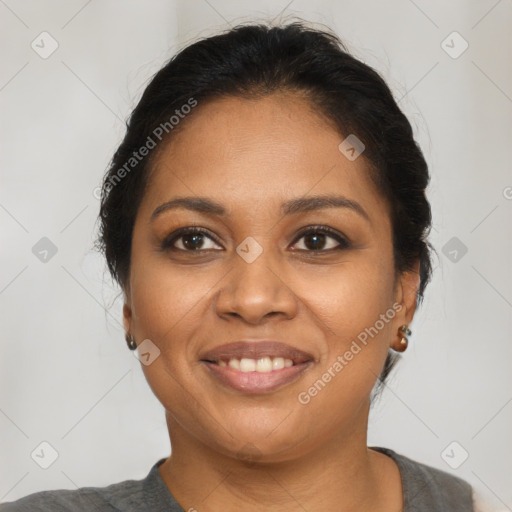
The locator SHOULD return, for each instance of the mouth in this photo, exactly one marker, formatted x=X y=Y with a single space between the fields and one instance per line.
x=262 y=365
x=256 y=367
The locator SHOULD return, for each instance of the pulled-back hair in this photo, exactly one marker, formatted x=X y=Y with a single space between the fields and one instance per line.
x=254 y=60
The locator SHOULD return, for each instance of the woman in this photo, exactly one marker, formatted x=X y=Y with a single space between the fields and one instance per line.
x=266 y=219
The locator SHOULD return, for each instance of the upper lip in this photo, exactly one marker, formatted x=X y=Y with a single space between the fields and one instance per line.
x=255 y=350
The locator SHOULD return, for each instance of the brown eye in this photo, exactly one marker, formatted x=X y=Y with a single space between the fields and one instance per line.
x=189 y=240
x=192 y=241
x=321 y=238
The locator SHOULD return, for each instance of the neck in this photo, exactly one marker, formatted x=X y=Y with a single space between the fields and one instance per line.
x=342 y=474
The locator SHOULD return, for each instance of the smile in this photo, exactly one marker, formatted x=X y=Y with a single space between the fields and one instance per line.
x=256 y=367
x=263 y=365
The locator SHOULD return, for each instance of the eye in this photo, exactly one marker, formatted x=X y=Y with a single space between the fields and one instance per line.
x=196 y=239
x=189 y=239
x=321 y=238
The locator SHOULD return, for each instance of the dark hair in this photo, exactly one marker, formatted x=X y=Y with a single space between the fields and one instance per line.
x=254 y=60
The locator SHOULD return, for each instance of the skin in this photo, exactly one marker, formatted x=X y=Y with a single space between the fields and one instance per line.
x=232 y=451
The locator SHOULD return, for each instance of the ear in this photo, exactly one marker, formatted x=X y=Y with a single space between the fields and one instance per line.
x=127 y=311
x=406 y=290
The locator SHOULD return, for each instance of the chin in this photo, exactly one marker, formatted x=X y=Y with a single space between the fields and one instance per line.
x=256 y=441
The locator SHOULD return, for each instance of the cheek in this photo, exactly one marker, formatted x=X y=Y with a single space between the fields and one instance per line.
x=354 y=309
x=166 y=301
x=351 y=298
x=167 y=309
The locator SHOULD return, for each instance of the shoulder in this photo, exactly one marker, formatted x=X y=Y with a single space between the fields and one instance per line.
x=426 y=488
x=126 y=495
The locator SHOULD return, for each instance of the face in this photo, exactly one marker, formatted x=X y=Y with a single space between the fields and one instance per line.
x=274 y=318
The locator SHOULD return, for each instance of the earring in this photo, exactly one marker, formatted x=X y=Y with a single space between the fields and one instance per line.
x=130 y=340
x=403 y=338
x=405 y=329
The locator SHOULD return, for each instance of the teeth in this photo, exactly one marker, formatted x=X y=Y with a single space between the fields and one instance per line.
x=234 y=363
x=278 y=363
x=247 y=365
x=263 y=365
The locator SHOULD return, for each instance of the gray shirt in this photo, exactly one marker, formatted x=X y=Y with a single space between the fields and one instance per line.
x=425 y=489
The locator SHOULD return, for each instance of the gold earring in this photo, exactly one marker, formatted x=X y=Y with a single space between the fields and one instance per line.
x=405 y=331
x=130 y=340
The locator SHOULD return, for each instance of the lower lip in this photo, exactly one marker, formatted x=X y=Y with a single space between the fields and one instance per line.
x=256 y=382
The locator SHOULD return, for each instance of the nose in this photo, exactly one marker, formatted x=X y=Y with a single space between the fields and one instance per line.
x=254 y=291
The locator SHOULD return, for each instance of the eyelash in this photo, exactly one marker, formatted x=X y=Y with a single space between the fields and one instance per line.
x=167 y=244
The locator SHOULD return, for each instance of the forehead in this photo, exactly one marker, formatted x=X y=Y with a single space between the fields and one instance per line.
x=245 y=152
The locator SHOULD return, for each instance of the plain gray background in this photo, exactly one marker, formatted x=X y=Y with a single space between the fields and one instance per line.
x=67 y=377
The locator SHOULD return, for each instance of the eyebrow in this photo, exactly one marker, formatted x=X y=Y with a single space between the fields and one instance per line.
x=294 y=206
